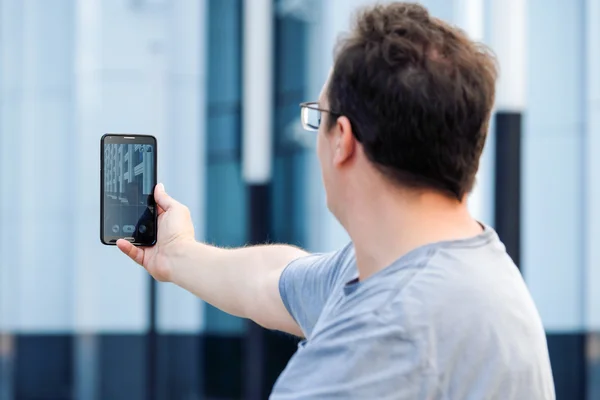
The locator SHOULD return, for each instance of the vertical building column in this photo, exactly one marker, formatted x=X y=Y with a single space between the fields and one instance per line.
x=554 y=215
x=257 y=121
x=592 y=163
x=35 y=148
x=147 y=80
x=180 y=84
x=470 y=16
x=10 y=71
x=10 y=76
x=118 y=185
x=111 y=92
x=592 y=189
x=88 y=17
x=36 y=128
x=508 y=40
x=35 y=134
x=181 y=135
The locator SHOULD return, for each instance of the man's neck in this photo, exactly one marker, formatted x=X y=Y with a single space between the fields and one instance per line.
x=385 y=228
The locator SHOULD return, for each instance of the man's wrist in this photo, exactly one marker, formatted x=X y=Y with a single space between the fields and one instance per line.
x=180 y=254
x=188 y=256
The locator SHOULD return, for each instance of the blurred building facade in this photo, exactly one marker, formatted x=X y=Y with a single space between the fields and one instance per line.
x=74 y=314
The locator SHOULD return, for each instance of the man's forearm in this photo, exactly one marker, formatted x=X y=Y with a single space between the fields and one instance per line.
x=241 y=282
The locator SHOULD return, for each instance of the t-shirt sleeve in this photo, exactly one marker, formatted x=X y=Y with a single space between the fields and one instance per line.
x=305 y=286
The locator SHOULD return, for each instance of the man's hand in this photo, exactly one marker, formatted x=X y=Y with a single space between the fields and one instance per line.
x=174 y=229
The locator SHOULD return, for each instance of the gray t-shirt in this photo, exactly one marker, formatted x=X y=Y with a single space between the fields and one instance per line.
x=451 y=320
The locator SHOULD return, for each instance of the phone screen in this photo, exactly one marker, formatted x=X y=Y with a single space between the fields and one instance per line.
x=128 y=176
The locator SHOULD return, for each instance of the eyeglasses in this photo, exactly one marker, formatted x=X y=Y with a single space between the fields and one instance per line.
x=310 y=115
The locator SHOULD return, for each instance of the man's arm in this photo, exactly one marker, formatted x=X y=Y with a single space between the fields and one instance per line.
x=242 y=282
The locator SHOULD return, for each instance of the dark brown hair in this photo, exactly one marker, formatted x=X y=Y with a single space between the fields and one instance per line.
x=418 y=94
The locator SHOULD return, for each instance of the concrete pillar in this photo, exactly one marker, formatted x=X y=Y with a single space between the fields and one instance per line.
x=591 y=148
x=257 y=156
x=36 y=139
x=144 y=80
x=508 y=40
x=470 y=16
x=181 y=139
x=555 y=214
x=553 y=234
x=36 y=144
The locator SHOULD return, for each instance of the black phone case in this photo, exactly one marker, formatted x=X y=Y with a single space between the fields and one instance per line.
x=155 y=233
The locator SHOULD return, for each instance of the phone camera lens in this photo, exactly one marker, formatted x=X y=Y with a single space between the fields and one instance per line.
x=143 y=229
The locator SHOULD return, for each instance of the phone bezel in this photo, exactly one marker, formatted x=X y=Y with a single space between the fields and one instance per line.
x=135 y=139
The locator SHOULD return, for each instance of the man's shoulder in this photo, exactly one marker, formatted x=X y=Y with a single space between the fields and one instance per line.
x=465 y=275
x=338 y=260
x=478 y=288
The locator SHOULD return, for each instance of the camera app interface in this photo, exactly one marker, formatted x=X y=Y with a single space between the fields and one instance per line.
x=128 y=191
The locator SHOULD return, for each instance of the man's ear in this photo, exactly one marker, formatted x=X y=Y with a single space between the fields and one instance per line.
x=345 y=142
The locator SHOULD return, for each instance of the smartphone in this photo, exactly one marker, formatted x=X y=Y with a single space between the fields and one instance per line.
x=127 y=181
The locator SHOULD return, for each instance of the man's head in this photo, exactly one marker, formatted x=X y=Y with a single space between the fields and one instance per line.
x=409 y=97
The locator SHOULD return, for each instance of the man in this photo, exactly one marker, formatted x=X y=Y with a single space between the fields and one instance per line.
x=424 y=303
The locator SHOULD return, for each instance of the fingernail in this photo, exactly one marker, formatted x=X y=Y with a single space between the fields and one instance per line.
x=161 y=187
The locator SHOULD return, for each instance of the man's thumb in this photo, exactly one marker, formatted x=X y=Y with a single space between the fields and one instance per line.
x=163 y=200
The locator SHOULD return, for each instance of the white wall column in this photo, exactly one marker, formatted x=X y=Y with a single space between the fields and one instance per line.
x=112 y=95
x=258 y=91
x=553 y=168
x=10 y=78
x=592 y=165
x=469 y=15
x=181 y=145
x=146 y=80
x=508 y=40
x=10 y=72
x=36 y=144
x=257 y=157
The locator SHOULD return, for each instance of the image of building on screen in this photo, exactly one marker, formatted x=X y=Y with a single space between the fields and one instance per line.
x=128 y=170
